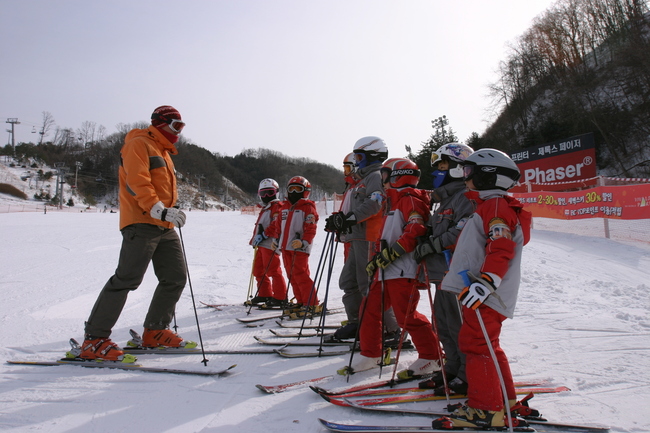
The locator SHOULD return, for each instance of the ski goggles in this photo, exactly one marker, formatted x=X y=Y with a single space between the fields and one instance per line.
x=267 y=192
x=295 y=188
x=468 y=171
x=348 y=169
x=176 y=125
x=385 y=174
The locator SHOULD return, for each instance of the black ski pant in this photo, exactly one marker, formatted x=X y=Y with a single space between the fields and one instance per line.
x=142 y=244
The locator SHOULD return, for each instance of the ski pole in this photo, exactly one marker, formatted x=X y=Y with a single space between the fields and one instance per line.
x=293 y=262
x=321 y=323
x=435 y=330
x=363 y=313
x=384 y=244
x=317 y=278
x=425 y=271
x=496 y=366
x=250 y=281
x=260 y=231
x=266 y=270
x=189 y=281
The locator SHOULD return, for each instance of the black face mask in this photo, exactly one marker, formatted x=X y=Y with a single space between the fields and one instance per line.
x=267 y=199
x=294 y=197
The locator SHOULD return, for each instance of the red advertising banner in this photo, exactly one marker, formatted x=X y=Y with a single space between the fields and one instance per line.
x=615 y=202
x=565 y=160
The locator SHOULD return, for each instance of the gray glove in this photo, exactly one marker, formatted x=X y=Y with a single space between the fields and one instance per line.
x=170 y=214
x=431 y=246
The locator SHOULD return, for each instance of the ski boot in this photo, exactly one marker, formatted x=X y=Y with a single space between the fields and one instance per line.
x=435 y=381
x=456 y=386
x=98 y=349
x=363 y=363
x=523 y=410
x=155 y=338
x=257 y=300
x=421 y=367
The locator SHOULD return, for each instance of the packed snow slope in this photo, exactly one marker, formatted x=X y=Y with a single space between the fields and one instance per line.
x=582 y=321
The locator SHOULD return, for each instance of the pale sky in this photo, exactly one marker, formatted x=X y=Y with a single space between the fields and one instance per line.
x=304 y=77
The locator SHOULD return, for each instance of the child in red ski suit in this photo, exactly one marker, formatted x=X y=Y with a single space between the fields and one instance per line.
x=296 y=230
x=397 y=276
x=271 y=287
x=485 y=273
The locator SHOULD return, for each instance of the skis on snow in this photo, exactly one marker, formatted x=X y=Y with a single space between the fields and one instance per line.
x=122 y=366
x=538 y=427
x=417 y=395
x=534 y=426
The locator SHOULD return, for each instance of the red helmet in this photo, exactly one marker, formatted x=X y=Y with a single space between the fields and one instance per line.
x=299 y=184
x=403 y=172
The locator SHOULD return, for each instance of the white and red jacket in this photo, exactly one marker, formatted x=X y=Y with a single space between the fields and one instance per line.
x=298 y=221
x=268 y=214
x=404 y=223
x=491 y=242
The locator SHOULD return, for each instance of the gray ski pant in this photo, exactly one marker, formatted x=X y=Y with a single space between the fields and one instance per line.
x=142 y=244
x=449 y=320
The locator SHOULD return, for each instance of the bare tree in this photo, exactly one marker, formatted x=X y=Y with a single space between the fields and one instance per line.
x=46 y=126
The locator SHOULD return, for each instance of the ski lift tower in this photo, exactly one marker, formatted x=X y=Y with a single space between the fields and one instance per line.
x=13 y=121
x=60 y=181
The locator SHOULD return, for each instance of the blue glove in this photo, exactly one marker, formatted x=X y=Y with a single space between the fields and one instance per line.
x=258 y=239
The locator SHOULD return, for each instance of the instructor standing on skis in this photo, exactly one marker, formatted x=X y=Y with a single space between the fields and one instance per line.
x=147 y=218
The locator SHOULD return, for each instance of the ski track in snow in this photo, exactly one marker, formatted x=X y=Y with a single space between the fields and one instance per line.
x=582 y=321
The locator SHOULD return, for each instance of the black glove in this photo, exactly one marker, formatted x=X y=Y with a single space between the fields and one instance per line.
x=340 y=223
x=388 y=255
x=430 y=246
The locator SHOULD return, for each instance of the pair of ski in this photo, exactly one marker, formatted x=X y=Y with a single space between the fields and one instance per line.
x=284 y=315
x=72 y=358
x=373 y=388
x=377 y=398
x=274 y=389
x=375 y=405
x=540 y=427
x=122 y=366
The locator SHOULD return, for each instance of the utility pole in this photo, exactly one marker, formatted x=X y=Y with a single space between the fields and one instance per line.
x=199 y=177
x=76 y=170
x=13 y=121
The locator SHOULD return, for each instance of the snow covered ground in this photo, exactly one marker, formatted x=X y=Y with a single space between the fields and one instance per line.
x=582 y=321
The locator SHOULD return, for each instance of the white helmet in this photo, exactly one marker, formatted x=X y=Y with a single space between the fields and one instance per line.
x=268 y=190
x=269 y=183
x=491 y=168
x=373 y=150
x=455 y=153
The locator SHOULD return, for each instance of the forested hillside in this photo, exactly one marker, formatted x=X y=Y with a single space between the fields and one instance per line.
x=584 y=66
x=94 y=165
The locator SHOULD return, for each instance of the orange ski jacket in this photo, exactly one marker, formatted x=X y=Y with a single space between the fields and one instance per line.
x=147 y=176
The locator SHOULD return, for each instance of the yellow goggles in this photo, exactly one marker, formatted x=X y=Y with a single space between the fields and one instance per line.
x=295 y=188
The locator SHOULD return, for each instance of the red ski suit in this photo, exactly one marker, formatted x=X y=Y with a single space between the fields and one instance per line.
x=404 y=223
x=266 y=265
x=297 y=222
x=491 y=242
